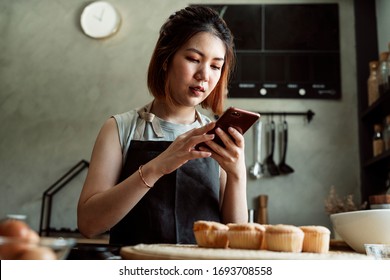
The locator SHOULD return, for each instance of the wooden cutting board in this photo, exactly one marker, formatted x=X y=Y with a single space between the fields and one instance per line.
x=193 y=252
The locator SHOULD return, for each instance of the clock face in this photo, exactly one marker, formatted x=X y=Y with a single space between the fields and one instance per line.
x=100 y=20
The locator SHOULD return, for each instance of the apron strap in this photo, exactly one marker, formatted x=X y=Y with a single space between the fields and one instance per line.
x=146 y=116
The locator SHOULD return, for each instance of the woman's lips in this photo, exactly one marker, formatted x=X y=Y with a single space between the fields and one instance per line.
x=197 y=90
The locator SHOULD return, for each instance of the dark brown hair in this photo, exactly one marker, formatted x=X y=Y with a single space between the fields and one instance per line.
x=175 y=32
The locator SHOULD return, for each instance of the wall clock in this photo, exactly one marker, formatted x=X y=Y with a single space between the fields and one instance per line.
x=100 y=20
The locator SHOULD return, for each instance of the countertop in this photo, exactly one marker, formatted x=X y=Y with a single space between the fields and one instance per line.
x=338 y=251
x=97 y=249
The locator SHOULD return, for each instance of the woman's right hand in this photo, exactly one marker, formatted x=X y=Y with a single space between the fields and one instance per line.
x=183 y=149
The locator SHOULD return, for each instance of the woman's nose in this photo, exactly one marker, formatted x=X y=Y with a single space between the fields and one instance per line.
x=202 y=74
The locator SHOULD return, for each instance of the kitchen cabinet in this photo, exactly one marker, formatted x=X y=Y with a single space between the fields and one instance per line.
x=302 y=62
x=374 y=170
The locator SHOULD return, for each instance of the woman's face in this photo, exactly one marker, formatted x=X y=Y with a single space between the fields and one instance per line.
x=195 y=69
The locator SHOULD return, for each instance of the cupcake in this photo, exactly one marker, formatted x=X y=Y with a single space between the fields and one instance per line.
x=245 y=236
x=284 y=238
x=264 y=243
x=316 y=239
x=211 y=234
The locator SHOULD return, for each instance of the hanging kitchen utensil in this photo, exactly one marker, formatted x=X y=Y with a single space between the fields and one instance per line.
x=257 y=169
x=283 y=167
x=270 y=165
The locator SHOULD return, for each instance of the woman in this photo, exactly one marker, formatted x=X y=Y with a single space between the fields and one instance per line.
x=146 y=182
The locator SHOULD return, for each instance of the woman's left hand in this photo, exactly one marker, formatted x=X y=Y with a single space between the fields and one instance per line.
x=231 y=157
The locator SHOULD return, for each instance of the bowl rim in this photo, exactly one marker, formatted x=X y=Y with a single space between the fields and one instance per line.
x=359 y=211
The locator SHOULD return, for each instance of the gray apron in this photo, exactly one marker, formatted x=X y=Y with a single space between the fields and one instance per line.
x=168 y=210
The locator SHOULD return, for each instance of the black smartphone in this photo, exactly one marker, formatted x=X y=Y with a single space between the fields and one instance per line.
x=237 y=118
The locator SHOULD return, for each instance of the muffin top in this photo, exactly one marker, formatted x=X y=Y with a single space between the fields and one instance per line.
x=209 y=225
x=315 y=229
x=246 y=227
x=281 y=228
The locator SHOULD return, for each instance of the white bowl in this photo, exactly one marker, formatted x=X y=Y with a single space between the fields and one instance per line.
x=357 y=228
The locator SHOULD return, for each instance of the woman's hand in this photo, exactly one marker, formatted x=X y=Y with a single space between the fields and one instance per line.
x=182 y=149
x=231 y=157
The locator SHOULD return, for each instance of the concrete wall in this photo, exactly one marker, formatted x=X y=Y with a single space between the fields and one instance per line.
x=383 y=20
x=58 y=86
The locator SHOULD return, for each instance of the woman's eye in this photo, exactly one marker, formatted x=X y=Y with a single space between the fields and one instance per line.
x=192 y=59
x=215 y=67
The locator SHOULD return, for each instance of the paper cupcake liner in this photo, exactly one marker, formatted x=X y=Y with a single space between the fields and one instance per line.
x=245 y=240
x=211 y=238
x=284 y=242
x=316 y=242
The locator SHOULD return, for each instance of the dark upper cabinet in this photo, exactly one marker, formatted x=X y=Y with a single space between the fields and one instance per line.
x=285 y=50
